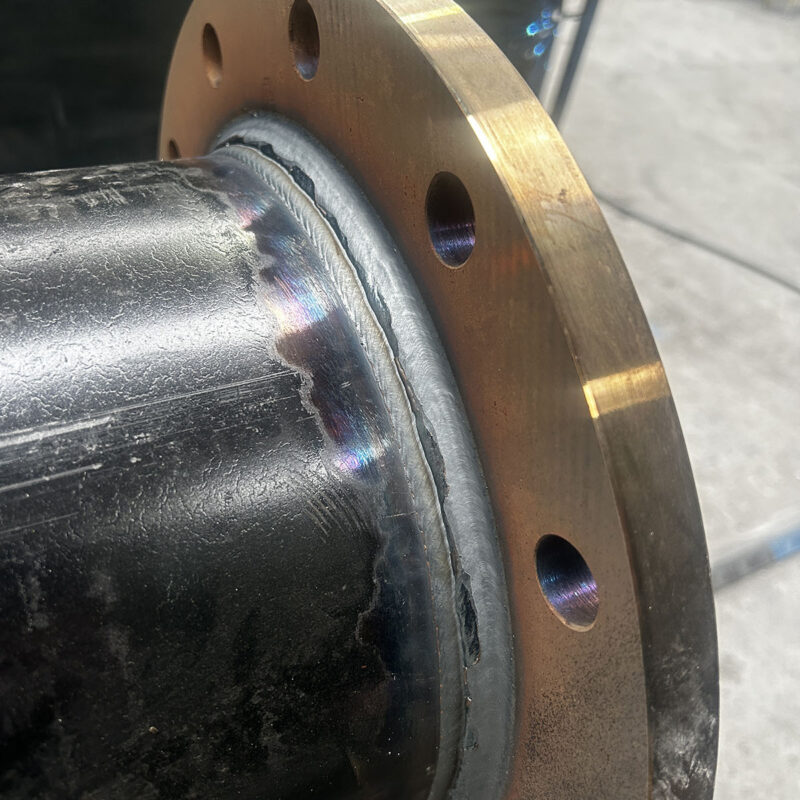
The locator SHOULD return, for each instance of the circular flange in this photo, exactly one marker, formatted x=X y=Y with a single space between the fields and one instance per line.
x=562 y=382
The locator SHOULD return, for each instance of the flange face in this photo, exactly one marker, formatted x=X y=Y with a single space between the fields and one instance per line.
x=587 y=472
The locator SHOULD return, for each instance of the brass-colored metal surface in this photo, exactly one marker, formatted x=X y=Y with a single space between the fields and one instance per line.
x=560 y=376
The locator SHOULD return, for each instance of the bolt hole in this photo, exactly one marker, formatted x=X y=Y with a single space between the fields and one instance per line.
x=304 y=39
x=451 y=219
x=212 y=55
x=567 y=582
x=173 y=151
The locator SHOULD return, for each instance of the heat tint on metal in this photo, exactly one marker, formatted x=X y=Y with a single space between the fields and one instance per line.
x=223 y=560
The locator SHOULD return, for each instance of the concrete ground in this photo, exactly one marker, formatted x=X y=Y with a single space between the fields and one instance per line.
x=685 y=117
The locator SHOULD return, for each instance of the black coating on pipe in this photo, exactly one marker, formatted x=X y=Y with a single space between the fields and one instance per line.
x=211 y=578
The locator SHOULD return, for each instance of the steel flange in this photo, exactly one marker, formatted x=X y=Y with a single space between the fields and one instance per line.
x=614 y=640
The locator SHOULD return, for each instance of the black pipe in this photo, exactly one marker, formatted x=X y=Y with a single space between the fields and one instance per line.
x=212 y=582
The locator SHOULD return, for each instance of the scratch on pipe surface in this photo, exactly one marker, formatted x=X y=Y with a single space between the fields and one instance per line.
x=6 y=531
x=47 y=478
x=26 y=436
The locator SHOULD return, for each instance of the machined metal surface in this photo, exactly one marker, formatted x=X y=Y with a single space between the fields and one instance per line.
x=346 y=442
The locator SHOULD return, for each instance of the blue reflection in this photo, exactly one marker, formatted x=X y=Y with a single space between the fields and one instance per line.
x=542 y=29
x=786 y=545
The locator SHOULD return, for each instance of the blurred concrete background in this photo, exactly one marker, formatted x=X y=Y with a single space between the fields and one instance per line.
x=685 y=118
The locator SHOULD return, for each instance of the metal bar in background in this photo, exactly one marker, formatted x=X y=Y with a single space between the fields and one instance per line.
x=763 y=554
x=574 y=59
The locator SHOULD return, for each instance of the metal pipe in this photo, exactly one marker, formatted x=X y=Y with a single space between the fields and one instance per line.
x=213 y=571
